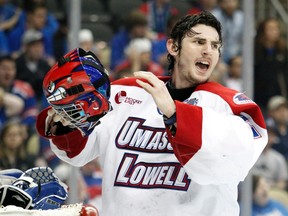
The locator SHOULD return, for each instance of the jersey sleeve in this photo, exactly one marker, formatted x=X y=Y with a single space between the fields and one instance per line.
x=72 y=147
x=218 y=147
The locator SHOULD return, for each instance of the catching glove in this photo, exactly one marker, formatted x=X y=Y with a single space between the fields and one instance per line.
x=36 y=188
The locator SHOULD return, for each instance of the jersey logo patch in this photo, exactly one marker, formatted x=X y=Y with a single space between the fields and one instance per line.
x=192 y=101
x=121 y=97
x=241 y=98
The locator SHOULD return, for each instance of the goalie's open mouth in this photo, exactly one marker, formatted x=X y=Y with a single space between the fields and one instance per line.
x=202 y=65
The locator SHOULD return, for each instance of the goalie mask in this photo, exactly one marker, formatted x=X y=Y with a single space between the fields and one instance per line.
x=78 y=88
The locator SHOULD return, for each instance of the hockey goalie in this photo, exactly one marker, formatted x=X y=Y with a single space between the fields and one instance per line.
x=37 y=191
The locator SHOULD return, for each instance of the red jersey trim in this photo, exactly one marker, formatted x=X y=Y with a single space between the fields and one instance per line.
x=72 y=143
x=188 y=138
x=131 y=81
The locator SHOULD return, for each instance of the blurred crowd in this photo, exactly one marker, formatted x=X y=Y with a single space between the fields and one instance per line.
x=32 y=38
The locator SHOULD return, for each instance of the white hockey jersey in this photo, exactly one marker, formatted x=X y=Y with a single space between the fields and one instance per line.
x=147 y=171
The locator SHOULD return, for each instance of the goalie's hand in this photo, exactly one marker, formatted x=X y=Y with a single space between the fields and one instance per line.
x=56 y=124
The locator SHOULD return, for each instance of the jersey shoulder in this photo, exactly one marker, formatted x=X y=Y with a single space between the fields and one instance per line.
x=238 y=101
x=216 y=88
x=231 y=96
x=131 y=81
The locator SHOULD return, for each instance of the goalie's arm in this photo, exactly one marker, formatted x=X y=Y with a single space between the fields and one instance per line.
x=216 y=148
x=69 y=145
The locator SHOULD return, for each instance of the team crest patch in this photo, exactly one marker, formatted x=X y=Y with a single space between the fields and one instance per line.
x=121 y=97
x=192 y=101
x=241 y=98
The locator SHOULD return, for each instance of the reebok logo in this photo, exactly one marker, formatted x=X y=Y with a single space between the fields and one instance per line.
x=121 y=97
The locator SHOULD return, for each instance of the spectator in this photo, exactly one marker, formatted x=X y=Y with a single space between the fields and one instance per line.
x=88 y=43
x=13 y=152
x=270 y=64
x=136 y=26
x=92 y=175
x=105 y=4
x=232 y=20
x=157 y=13
x=64 y=172
x=233 y=78
x=60 y=44
x=278 y=117
x=9 y=16
x=18 y=96
x=35 y=16
x=219 y=73
x=201 y=5
x=263 y=204
x=159 y=50
x=138 y=54
x=49 y=156
x=86 y=40
x=271 y=164
x=31 y=64
x=10 y=104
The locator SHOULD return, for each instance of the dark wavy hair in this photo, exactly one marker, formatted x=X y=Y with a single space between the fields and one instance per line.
x=184 y=27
